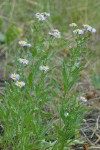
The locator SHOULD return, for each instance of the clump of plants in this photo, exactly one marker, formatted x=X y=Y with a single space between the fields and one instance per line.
x=39 y=111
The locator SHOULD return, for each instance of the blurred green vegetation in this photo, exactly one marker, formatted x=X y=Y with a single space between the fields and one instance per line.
x=62 y=12
x=16 y=16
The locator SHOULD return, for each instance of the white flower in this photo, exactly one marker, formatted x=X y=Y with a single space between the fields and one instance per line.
x=89 y=28
x=66 y=114
x=73 y=25
x=83 y=99
x=23 y=61
x=14 y=76
x=44 y=68
x=93 y=30
x=24 y=43
x=20 y=84
x=42 y=16
x=78 y=31
x=55 y=33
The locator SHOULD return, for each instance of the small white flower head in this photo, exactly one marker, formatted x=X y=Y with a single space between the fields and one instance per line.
x=23 y=61
x=78 y=31
x=44 y=68
x=14 y=76
x=66 y=114
x=55 y=33
x=73 y=25
x=20 y=84
x=83 y=99
x=24 y=43
x=89 y=28
x=40 y=16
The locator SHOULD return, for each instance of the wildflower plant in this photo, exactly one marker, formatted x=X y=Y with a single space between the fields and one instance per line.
x=39 y=110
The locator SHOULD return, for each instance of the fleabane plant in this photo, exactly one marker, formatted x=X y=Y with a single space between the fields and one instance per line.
x=41 y=110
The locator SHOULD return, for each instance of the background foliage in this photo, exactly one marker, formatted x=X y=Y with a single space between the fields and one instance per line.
x=16 y=15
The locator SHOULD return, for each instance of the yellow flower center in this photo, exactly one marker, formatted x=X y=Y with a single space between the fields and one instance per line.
x=41 y=16
x=83 y=98
x=57 y=34
x=20 y=83
x=44 y=67
x=23 y=60
x=14 y=76
x=73 y=23
x=22 y=42
x=77 y=30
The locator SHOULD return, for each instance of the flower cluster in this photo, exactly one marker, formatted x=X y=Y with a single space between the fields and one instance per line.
x=89 y=28
x=16 y=78
x=81 y=31
x=56 y=33
x=24 y=43
x=42 y=16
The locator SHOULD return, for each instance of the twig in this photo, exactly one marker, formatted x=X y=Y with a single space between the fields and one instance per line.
x=97 y=123
x=86 y=137
x=94 y=148
x=97 y=139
